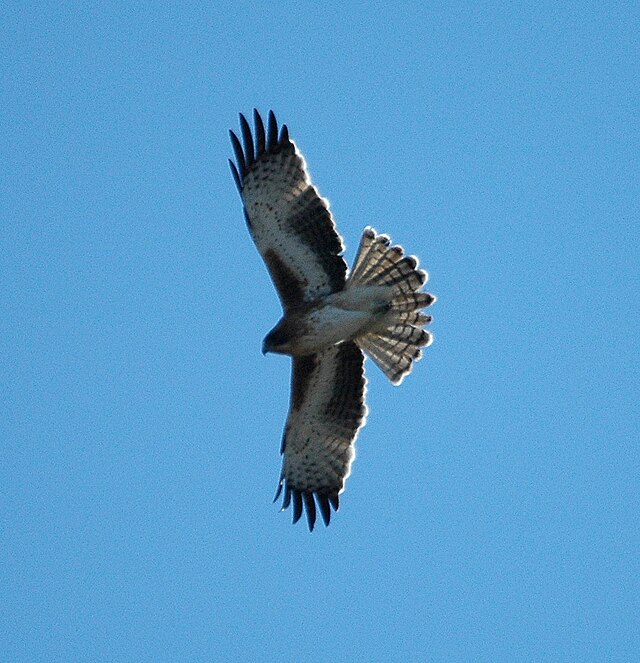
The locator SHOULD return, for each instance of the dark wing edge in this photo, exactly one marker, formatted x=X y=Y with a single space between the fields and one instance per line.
x=343 y=409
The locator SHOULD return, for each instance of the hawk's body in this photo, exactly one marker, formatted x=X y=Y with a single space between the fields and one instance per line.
x=323 y=322
x=329 y=318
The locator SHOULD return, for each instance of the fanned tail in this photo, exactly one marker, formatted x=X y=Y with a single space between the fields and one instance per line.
x=395 y=347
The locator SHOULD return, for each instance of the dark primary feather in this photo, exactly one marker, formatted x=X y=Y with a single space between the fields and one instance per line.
x=310 y=507
x=297 y=505
x=260 y=135
x=248 y=141
x=237 y=149
x=236 y=176
x=272 y=136
x=325 y=510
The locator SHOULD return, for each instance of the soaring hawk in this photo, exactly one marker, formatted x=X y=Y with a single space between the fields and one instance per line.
x=330 y=316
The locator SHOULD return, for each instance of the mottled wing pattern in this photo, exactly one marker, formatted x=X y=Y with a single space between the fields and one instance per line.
x=289 y=221
x=327 y=410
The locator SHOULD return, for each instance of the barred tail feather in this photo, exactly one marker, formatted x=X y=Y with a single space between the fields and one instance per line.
x=416 y=318
x=403 y=275
x=407 y=333
x=368 y=254
x=412 y=301
x=394 y=358
x=366 y=242
x=378 y=263
x=396 y=345
x=371 y=252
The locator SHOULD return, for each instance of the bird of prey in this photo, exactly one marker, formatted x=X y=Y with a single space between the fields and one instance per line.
x=331 y=316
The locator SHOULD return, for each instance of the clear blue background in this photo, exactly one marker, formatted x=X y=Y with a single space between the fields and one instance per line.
x=492 y=514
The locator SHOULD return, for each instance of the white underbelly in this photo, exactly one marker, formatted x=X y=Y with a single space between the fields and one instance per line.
x=330 y=325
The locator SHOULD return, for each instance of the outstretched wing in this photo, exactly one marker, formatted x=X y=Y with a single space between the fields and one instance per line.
x=288 y=220
x=327 y=410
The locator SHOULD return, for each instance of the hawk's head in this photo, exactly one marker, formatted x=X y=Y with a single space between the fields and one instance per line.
x=282 y=338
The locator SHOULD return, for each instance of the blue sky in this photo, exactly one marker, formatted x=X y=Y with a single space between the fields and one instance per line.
x=492 y=513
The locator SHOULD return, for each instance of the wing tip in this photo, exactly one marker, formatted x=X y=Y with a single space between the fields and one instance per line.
x=272 y=132
x=284 y=141
x=297 y=505
x=239 y=154
x=307 y=502
x=236 y=176
x=247 y=137
x=251 y=148
x=310 y=508
x=260 y=133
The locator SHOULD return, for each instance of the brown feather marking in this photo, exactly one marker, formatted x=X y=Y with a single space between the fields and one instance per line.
x=289 y=286
x=312 y=222
x=303 y=368
x=346 y=405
